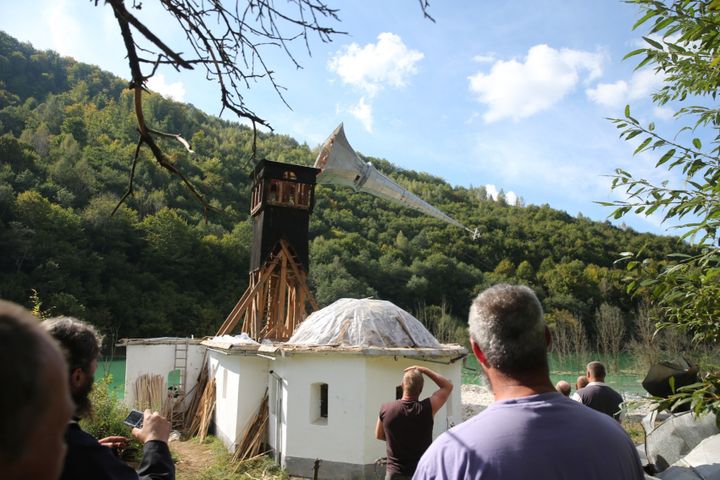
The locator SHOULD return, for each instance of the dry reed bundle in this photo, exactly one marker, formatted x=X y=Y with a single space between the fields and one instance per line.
x=151 y=393
x=254 y=434
x=195 y=395
x=201 y=420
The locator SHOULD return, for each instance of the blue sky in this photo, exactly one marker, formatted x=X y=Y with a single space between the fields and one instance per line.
x=508 y=94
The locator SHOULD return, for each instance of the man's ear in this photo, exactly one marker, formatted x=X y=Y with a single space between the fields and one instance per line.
x=77 y=377
x=478 y=353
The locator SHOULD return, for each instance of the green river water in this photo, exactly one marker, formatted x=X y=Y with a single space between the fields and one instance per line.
x=623 y=375
x=627 y=379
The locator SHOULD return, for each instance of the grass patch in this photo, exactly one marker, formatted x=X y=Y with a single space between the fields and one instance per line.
x=107 y=417
x=210 y=460
x=635 y=429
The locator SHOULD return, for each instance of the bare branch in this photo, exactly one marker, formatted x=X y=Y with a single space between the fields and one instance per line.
x=132 y=177
x=229 y=42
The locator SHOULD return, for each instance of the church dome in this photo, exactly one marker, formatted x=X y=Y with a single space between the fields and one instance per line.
x=351 y=322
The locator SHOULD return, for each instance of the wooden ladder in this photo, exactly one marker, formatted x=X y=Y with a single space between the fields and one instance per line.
x=177 y=416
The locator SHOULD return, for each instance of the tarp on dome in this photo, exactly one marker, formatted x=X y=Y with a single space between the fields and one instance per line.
x=363 y=323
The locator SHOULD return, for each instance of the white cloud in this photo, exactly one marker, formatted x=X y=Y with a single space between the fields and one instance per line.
x=664 y=113
x=63 y=28
x=514 y=89
x=175 y=90
x=492 y=191
x=389 y=62
x=641 y=85
x=609 y=94
x=484 y=58
x=363 y=112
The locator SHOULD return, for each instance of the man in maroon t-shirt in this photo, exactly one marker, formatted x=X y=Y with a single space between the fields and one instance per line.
x=406 y=424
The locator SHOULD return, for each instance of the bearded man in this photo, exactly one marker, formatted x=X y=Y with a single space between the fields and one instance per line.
x=88 y=458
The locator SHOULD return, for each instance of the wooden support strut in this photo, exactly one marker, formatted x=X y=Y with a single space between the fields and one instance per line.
x=274 y=302
x=242 y=304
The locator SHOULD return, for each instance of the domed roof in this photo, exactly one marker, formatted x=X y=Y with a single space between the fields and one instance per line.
x=351 y=322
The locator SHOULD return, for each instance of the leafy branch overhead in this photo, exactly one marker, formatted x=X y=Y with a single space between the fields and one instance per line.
x=682 y=45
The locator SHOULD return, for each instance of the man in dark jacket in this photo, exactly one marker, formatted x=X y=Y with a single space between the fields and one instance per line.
x=88 y=458
x=597 y=395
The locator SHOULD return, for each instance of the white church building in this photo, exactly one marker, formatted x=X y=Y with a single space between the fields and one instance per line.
x=325 y=385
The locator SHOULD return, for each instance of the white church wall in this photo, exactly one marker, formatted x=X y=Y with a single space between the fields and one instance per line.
x=383 y=375
x=159 y=359
x=308 y=435
x=240 y=383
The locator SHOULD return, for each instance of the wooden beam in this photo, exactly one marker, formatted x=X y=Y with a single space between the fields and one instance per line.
x=282 y=293
x=300 y=274
x=242 y=304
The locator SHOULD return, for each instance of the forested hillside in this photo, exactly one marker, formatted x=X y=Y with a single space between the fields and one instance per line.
x=157 y=267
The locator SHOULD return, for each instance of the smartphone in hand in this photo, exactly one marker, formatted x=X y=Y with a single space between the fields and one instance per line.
x=134 y=419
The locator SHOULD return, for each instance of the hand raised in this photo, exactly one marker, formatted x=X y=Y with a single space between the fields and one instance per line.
x=155 y=427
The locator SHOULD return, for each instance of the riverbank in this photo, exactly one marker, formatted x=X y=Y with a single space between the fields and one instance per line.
x=475 y=398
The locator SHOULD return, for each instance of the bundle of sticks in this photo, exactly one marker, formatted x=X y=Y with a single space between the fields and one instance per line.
x=196 y=396
x=254 y=435
x=200 y=420
x=151 y=393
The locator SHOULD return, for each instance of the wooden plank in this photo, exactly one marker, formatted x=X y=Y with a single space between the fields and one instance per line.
x=300 y=306
x=282 y=294
x=242 y=304
x=231 y=319
x=272 y=317
x=302 y=278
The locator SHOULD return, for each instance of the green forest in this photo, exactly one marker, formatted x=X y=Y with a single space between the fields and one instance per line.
x=161 y=267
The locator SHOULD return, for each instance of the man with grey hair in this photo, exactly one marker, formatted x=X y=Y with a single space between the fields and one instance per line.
x=88 y=458
x=406 y=424
x=530 y=425
x=35 y=404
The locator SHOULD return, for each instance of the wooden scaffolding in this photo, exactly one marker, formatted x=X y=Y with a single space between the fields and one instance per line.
x=276 y=299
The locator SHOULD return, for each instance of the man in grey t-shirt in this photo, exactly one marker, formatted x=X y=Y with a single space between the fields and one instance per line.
x=531 y=430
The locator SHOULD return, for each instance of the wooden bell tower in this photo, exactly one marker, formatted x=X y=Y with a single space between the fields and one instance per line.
x=277 y=297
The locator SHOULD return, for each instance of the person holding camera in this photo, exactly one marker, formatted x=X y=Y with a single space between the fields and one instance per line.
x=88 y=458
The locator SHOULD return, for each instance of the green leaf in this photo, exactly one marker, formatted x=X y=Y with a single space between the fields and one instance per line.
x=697 y=143
x=633 y=134
x=668 y=155
x=654 y=43
x=642 y=146
x=634 y=52
x=627 y=111
x=645 y=18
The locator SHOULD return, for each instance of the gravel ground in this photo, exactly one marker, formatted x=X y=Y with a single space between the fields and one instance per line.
x=475 y=398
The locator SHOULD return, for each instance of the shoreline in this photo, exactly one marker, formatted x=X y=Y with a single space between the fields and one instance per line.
x=475 y=398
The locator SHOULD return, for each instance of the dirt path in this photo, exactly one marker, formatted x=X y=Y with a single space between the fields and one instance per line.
x=192 y=458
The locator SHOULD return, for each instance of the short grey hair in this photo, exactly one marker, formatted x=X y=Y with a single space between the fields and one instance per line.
x=79 y=340
x=23 y=347
x=596 y=369
x=507 y=324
